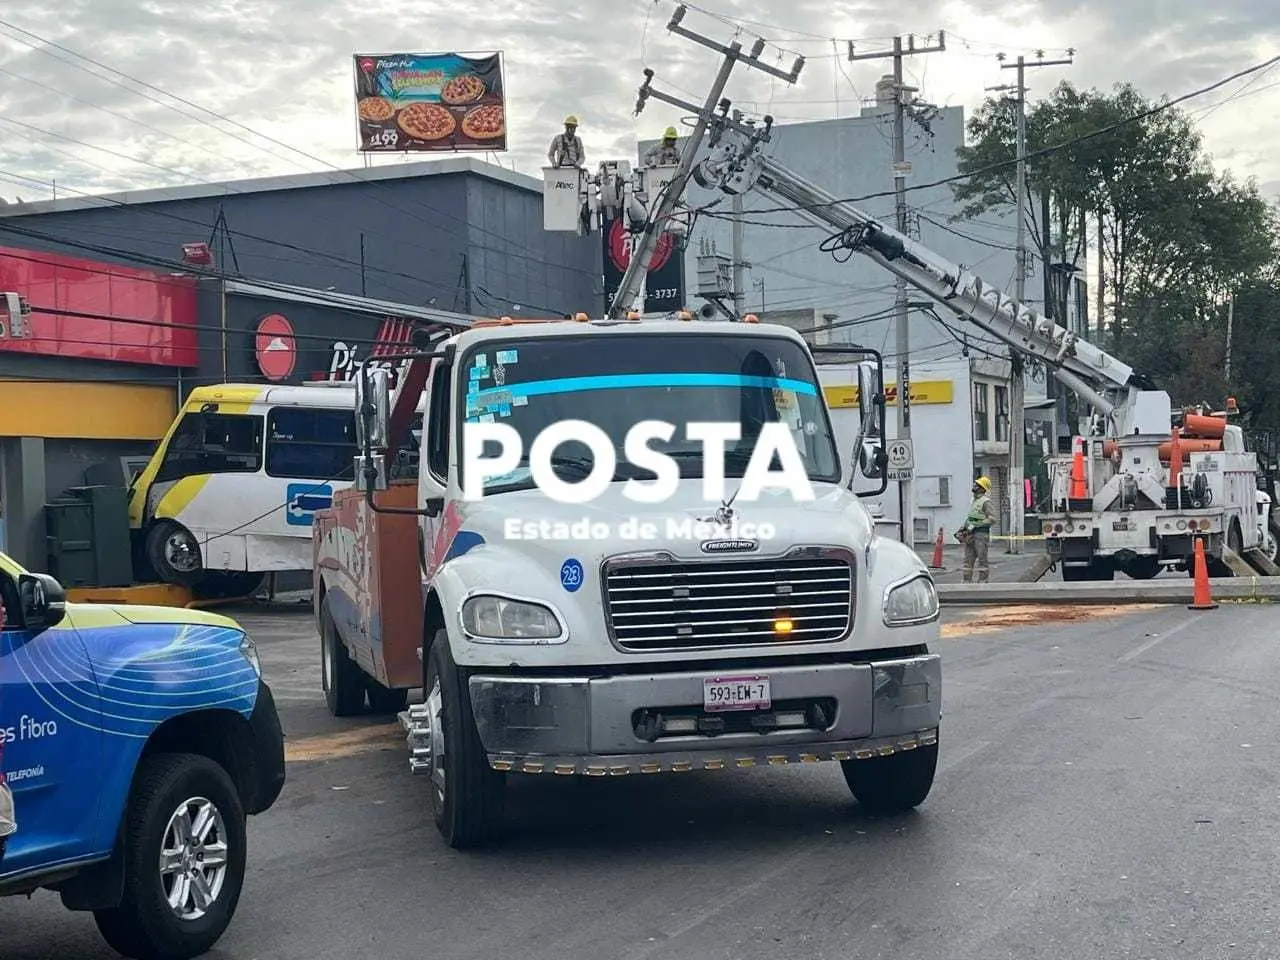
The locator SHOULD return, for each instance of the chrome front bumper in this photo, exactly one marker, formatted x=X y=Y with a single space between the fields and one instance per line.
x=588 y=725
x=8 y=825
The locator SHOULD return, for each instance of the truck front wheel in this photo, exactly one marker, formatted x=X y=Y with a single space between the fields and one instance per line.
x=183 y=859
x=893 y=784
x=467 y=795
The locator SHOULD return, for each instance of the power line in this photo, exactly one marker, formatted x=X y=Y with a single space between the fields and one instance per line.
x=322 y=297
x=1043 y=151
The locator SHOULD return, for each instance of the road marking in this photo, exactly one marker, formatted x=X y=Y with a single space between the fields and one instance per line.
x=995 y=619
x=345 y=743
x=1159 y=638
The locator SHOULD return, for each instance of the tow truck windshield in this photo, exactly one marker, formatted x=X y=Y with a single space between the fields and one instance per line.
x=617 y=381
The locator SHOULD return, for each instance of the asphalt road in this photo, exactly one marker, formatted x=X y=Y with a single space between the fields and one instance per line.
x=1108 y=788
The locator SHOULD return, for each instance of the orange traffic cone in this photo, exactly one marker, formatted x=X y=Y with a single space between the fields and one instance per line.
x=1202 y=599
x=937 y=552
x=1078 y=489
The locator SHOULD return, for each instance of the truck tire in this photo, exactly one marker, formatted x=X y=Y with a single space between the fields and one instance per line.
x=163 y=914
x=893 y=784
x=342 y=679
x=385 y=701
x=467 y=795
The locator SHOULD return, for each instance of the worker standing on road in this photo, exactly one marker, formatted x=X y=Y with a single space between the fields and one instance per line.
x=664 y=153
x=566 y=148
x=976 y=532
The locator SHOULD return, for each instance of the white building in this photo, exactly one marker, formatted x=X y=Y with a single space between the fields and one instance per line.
x=788 y=279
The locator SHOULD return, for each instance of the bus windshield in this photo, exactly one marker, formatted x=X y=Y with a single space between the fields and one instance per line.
x=213 y=443
x=616 y=381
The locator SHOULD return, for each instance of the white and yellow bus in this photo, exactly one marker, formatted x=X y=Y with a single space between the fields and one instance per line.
x=230 y=493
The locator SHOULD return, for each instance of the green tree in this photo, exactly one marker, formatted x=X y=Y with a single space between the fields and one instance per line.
x=1177 y=238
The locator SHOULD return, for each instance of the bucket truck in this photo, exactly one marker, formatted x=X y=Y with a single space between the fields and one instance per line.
x=1148 y=481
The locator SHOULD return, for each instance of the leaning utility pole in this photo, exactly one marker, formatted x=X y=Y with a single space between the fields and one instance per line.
x=632 y=283
x=906 y=502
x=1017 y=383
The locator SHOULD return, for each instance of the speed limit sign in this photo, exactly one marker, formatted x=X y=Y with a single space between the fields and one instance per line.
x=902 y=459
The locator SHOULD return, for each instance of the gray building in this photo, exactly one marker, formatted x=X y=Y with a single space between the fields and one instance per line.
x=455 y=234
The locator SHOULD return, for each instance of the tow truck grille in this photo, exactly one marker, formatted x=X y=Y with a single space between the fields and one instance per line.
x=674 y=605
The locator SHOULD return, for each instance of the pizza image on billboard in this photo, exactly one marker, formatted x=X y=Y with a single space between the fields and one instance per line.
x=430 y=102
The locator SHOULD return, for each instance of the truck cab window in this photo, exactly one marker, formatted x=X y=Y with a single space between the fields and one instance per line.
x=437 y=417
x=311 y=444
x=213 y=443
x=408 y=452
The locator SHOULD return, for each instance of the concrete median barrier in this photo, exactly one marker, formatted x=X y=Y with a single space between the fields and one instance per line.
x=1119 y=591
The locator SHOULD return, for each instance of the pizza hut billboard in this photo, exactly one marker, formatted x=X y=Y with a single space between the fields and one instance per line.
x=430 y=102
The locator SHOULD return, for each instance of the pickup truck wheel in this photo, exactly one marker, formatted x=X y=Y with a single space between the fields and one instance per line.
x=342 y=680
x=893 y=784
x=184 y=860
x=467 y=795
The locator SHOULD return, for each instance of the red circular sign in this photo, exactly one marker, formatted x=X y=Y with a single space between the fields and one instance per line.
x=275 y=348
x=620 y=242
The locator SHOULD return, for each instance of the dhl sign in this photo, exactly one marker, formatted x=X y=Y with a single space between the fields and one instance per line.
x=922 y=391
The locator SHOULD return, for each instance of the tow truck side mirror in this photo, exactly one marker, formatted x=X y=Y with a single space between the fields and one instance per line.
x=373 y=427
x=872 y=458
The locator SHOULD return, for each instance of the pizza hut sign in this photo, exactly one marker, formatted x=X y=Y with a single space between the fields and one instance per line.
x=345 y=365
x=394 y=338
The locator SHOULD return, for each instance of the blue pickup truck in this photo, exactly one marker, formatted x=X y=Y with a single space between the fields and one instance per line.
x=134 y=741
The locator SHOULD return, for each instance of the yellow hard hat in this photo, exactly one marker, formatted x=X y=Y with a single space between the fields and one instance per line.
x=670 y=133
x=984 y=483
x=571 y=121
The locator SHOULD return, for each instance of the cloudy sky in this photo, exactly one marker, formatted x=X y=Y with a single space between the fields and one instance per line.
x=282 y=69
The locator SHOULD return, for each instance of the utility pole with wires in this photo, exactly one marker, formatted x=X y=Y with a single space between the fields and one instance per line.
x=906 y=503
x=632 y=283
x=1017 y=382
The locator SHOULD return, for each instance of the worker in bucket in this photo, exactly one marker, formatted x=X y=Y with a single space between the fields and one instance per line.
x=566 y=148
x=664 y=153
x=976 y=532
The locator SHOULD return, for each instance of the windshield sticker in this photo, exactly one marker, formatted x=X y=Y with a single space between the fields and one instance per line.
x=481 y=362
x=505 y=357
x=504 y=410
x=473 y=388
x=571 y=575
x=538 y=388
x=520 y=401
x=500 y=375
x=486 y=418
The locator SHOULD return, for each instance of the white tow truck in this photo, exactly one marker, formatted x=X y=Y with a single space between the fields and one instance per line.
x=616 y=637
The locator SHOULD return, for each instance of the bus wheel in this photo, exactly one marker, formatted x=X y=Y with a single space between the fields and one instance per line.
x=174 y=554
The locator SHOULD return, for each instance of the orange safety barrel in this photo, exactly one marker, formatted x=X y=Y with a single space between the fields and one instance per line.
x=1198 y=425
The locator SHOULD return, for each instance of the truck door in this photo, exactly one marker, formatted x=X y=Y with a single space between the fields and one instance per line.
x=50 y=744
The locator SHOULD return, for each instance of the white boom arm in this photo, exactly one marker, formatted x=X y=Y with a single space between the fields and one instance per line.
x=1096 y=376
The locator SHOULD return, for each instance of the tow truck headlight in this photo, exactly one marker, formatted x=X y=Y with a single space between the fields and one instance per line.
x=494 y=619
x=249 y=650
x=913 y=601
